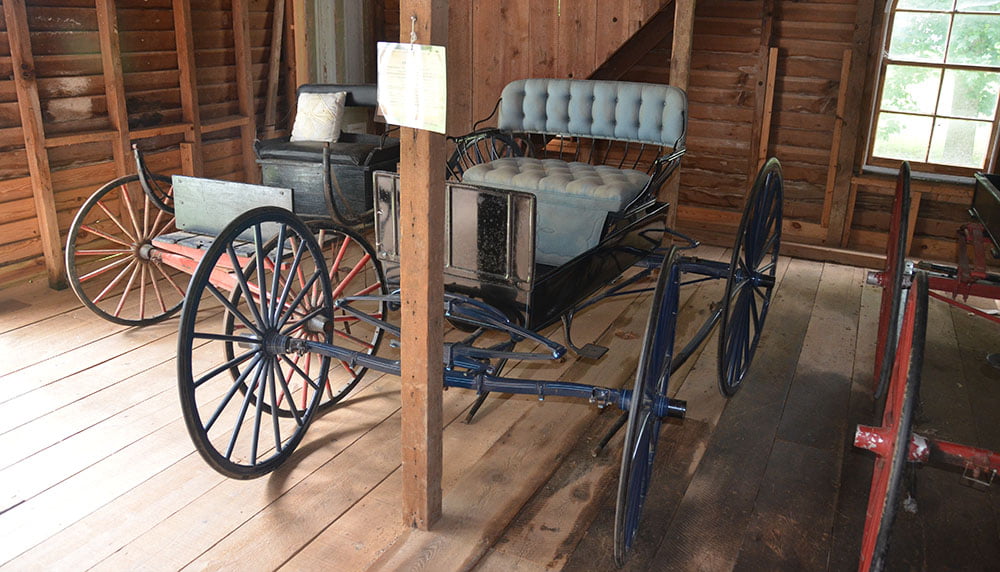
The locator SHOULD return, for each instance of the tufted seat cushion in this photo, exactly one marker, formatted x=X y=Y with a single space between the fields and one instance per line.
x=573 y=199
x=599 y=186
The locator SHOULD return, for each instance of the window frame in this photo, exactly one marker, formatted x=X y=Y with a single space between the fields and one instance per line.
x=873 y=162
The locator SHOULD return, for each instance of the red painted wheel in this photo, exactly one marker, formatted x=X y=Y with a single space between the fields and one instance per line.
x=892 y=282
x=891 y=441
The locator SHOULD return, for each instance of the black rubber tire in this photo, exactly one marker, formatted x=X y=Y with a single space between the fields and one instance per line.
x=227 y=437
x=104 y=278
x=751 y=278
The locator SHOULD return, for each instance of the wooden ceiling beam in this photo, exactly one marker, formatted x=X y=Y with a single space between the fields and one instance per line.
x=244 y=87
x=191 y=158
x=114 y=84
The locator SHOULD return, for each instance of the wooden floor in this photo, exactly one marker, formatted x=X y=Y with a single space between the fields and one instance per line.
x=97 y=469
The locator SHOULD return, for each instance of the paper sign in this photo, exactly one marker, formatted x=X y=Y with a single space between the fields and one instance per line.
x=412 y=85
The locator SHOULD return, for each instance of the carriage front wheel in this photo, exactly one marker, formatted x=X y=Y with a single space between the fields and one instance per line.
x=643 y=429
x=110 y=258
x=751 y=278
x=247 y=406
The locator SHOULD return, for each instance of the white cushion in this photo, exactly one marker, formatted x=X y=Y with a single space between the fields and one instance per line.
x=318 y=117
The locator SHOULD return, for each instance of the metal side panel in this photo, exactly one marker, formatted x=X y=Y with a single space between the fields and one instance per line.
x=489 y=241
x=206 y=206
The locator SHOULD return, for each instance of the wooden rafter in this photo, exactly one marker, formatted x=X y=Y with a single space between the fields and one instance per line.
x=244 y=86
x=191 y=158
x=29 y=106
x=114 y=84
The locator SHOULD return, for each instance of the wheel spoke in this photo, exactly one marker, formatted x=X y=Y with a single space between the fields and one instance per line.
x=226 y=399
x=259 y=408
x=274 y=405
x=258 y=242
x=170 y=280
x=156 y=290
x=106 y=236
x=241 y=417
x=114 y=219
x=127 y=200
x=241 y=279
x=125 y=292
x=305 y=376
x=102 y=251
x=287 y=392
x=233 y=310
x=294 y=269
x=276 y=270
x=289 y=311
x=118 y=262
x=212 y=336
x=229 y=364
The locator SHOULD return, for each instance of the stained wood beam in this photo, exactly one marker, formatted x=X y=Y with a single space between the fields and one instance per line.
x=422 y=285
x=244 y=87
x=760 y=130
x=680 y=76
x=114 y=84
x=274 y=67
x=191 y=159
x=29 y=107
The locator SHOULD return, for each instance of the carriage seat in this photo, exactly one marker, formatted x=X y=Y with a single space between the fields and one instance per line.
x=351 y=158
x=574 y=198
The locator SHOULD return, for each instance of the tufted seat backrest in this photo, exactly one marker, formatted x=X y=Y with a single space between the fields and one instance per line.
x=626 y=111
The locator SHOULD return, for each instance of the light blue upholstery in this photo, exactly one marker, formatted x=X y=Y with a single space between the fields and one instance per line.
x=624 y=111
x=593 y=186
x=574 y=199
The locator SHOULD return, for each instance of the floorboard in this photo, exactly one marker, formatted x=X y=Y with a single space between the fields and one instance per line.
x=99 y=472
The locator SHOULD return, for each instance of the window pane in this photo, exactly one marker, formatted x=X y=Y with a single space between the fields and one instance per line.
x=902 y=137
x=960 y=143
x=971 y=94
x=977 y=6
x=975 y=40
x=919 y=37
x=933 y=5
x=910 y=88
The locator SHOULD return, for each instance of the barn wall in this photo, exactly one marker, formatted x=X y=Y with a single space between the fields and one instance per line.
x=173 y=87
x=815 y=125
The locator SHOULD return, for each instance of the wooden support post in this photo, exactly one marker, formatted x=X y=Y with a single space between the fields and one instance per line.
x=274 y=67
x=114 y=84
x=29 y=106
x=421 y=228
x=765 y=124
x=680 y=75
x=244 y=87
x=191 y=159
x=838 y=132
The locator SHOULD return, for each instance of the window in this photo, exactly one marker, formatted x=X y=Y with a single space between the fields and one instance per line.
x=940 y=80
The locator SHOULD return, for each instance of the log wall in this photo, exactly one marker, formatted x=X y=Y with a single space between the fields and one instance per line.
x=177 y=77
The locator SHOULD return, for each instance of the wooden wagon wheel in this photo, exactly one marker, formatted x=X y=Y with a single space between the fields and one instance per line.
x=891 y=441
x=110 y=260
x=892 y=282
x=246 y=425
x=751 y=278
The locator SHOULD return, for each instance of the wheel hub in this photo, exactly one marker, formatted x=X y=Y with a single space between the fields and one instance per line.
x=275 y=343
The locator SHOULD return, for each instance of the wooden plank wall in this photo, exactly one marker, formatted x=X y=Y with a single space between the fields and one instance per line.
x=493 y=43
x=824 y=49
x=168 y=108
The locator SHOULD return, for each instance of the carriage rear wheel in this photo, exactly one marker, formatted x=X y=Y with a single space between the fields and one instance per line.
x=110 y=259
x=751 y=278
x=247 y=414
x=643 y=429
x=892 y=282
x=892 y=449
x=354 y=270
